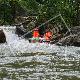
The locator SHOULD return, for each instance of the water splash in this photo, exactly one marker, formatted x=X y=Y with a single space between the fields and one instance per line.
x=16 y=44
x=50 y=61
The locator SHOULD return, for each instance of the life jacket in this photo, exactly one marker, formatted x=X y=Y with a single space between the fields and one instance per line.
x=35 y=33
x=48 y=36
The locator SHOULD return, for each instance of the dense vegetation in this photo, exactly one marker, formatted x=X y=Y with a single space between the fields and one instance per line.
x=43 y=9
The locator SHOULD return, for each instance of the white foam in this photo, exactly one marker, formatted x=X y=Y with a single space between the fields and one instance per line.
x=16 y=44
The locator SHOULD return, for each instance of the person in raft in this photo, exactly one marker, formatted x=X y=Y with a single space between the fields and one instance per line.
x=36 y=35
x=48 y=35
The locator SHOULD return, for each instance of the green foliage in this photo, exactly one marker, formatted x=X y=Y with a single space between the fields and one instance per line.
x=65 y=7
x=43 y=9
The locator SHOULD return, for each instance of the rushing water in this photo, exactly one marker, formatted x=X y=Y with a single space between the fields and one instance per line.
x=21 y=60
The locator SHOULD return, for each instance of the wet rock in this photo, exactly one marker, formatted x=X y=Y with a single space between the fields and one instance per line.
x=2 y=36
x=73 y=39
x=25 y=25
x=20 y=30
x=75 y=30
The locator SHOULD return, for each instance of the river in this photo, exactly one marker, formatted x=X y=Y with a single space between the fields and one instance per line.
x=21 y=60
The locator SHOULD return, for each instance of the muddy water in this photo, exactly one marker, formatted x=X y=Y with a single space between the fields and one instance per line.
x=21 y=60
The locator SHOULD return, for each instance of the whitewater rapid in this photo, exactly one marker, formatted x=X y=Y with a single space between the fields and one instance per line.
x=16 y=44
x=22 y=60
